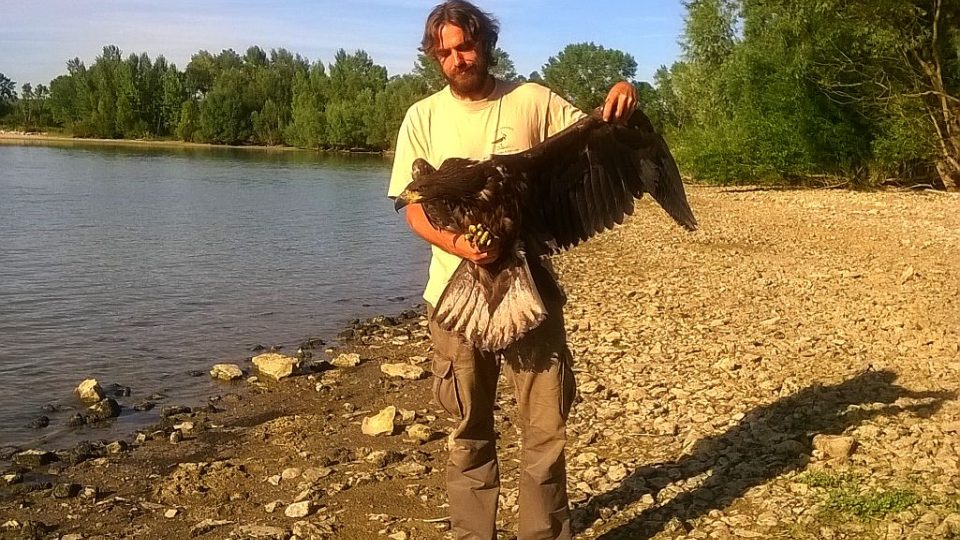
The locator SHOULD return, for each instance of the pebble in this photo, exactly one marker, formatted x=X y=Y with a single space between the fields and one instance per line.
x=299 y=509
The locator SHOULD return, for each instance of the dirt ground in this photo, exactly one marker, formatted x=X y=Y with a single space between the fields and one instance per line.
x=790 y=370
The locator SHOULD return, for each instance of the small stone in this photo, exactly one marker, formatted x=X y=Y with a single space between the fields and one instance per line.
x=174 y=410
x=835 y=446
x=316 y=473
x=34 y=458
x=90 y=391
x=381 y=424
x=185 y=427
x=271 y=507
x=290 y=473
x=411 y=468
x=617 y=473
x=176 y=436
x=274 y=480
x=171 y=513
x=346 y=360
x=299 y=509
x=116 y=447
x=66 y=491
x=144 y=406
x=12 y=478
x=74 y=536
x=276 y=366
x=262 y=531
x=420 y=433
x=103 y=410
x=40 y=422
x=382 y=458
x=404 y=371
x=226 y=372
x=399 y=535
x=76 y=420
x=207 y=525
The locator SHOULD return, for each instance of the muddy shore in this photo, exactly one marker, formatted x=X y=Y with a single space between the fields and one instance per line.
x=789 y=371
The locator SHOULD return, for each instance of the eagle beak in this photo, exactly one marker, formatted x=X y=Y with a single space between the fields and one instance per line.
x=405 y=198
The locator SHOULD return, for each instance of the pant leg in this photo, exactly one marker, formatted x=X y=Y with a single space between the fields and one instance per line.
x=465 y=385
x=540 y=367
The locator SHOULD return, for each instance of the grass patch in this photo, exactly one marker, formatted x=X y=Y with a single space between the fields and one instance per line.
x=844 y=495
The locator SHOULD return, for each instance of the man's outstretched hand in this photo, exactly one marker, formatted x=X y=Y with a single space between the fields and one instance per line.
x=620 y=102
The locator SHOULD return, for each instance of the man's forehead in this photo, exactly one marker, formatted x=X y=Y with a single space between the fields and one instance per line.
x=454 y=34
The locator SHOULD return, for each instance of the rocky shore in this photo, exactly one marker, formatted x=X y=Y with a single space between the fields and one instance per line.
x=789 y=371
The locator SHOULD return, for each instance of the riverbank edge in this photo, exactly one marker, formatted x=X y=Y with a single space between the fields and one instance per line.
x=47 y=139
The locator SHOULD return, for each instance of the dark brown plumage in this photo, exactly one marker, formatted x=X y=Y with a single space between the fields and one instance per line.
x=559 y=193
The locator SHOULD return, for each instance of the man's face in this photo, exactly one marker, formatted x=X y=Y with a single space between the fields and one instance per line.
x=463 y=67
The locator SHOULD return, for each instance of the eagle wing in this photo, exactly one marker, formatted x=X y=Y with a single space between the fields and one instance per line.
x=587 y=176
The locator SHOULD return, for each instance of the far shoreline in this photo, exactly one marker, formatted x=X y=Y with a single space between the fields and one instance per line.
x=47 y=139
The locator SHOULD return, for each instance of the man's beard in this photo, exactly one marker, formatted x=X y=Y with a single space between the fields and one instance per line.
x=469 y=80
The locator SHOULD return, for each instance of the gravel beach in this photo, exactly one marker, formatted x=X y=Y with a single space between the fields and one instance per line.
x=790 y=370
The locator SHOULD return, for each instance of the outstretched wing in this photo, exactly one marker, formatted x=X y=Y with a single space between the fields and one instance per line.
x=590 y=173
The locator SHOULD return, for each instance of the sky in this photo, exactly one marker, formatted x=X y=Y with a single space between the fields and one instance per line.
x=39 y=36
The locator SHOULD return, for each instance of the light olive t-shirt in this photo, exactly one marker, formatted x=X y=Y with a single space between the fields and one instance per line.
x=512 y=119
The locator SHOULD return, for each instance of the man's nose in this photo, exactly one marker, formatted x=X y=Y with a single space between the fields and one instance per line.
x=458 y=58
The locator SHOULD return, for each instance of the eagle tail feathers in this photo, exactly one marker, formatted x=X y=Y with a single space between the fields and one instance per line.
x=491 y=318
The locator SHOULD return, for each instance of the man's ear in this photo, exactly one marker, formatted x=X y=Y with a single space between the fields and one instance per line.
x=421 y=168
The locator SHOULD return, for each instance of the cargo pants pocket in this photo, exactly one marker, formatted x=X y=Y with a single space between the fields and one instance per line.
x=445 y=388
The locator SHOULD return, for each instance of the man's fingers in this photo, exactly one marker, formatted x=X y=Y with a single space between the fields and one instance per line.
x=608 y=108
x=621 y=105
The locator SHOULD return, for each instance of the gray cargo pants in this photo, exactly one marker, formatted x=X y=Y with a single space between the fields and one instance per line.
x=465 y=385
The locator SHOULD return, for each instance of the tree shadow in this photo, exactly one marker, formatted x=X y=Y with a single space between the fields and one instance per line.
x=769 y=441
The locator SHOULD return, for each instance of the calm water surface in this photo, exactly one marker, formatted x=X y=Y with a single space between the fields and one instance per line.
x=137 y=266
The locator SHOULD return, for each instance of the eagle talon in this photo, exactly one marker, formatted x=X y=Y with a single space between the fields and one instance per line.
x=479 y=236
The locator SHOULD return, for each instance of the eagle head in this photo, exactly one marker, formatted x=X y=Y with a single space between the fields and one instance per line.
x=456 y=179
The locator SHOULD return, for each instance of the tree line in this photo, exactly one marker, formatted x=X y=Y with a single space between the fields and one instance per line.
x=275 y=98
x=851 y=92
x=765 y=90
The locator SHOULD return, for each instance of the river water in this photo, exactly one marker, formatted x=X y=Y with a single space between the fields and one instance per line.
x=138 y=266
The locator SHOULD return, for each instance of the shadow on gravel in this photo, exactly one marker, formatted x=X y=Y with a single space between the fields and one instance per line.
x=770 y=441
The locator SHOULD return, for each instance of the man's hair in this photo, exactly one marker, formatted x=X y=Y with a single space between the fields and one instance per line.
x=478 y=26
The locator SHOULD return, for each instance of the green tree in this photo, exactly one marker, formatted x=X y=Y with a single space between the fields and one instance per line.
x=584 y=72
x=188 y=128
x=390 y=107
x=307 y=127
x=8 y=94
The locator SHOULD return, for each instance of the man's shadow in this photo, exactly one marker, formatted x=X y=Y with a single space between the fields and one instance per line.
x=769 y=441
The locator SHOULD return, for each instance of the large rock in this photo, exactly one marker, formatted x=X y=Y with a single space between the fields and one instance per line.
x=381 y=424
x=90 y=391
x=346 y=360
x=404 y=371
x=107 y=408
x=276 y=365
x=34 y=458
x=226 y=372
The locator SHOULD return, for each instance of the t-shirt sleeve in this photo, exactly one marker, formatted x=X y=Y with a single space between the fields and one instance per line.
x=560 y=114
x=410 y=146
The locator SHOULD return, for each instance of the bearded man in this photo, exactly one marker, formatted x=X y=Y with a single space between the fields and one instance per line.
x=476 y=116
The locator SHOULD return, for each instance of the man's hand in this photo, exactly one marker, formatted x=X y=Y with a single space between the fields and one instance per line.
x=620 y=102
x=465 y=249
x=448 y=241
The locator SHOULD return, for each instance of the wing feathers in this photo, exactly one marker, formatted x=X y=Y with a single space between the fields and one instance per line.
x=591 y=173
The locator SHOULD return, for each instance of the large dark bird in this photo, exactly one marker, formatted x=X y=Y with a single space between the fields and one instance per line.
x=559 y=193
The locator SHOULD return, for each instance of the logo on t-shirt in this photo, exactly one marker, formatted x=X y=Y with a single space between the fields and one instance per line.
x=501 y=145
